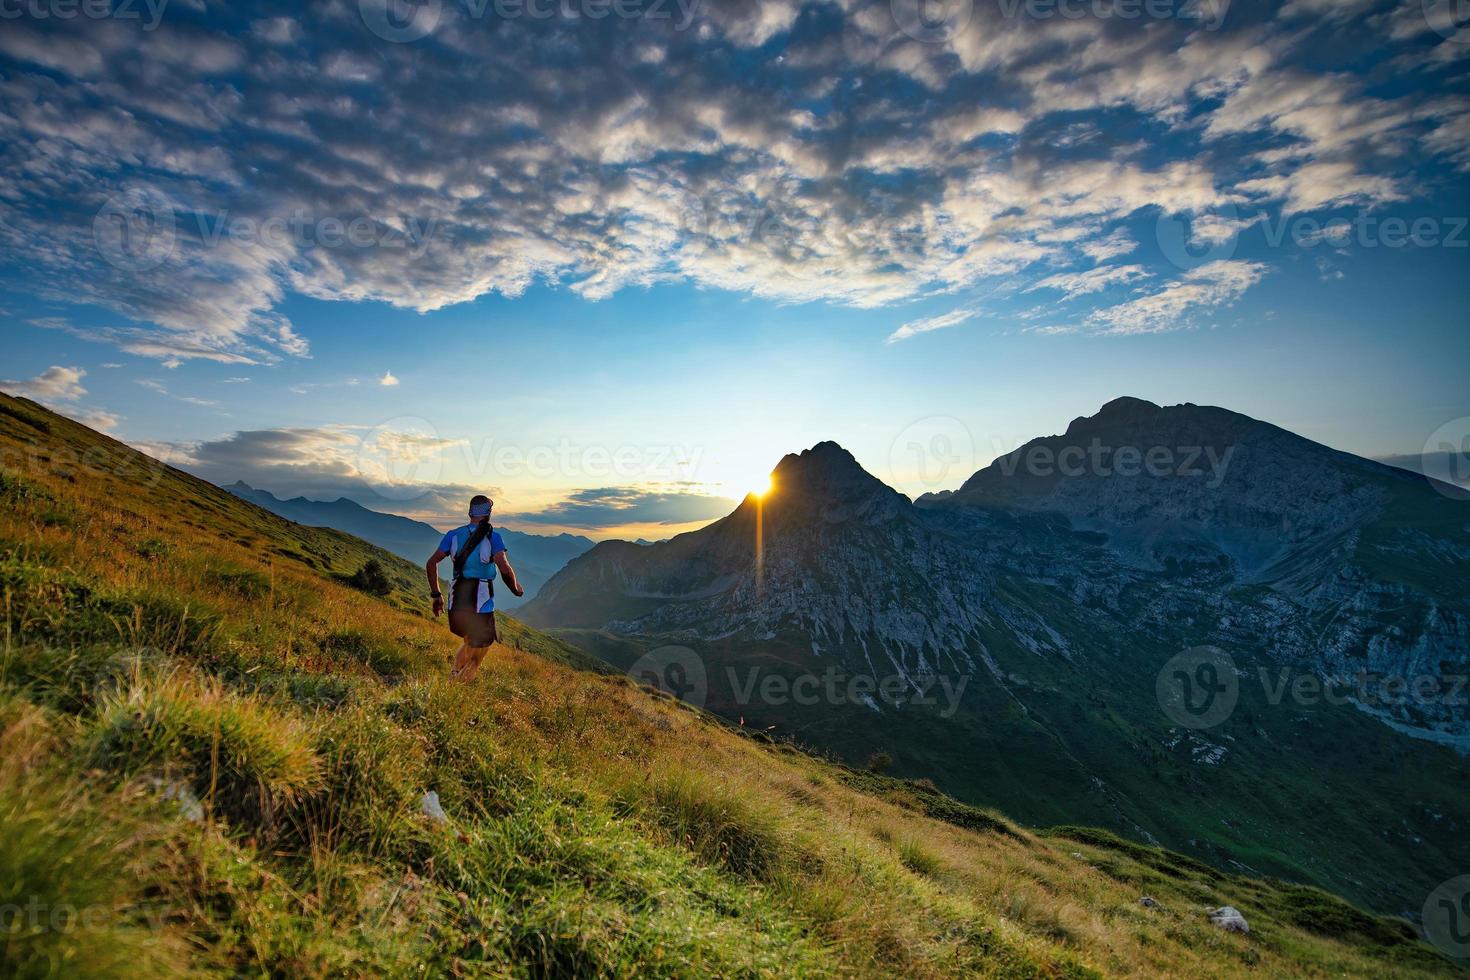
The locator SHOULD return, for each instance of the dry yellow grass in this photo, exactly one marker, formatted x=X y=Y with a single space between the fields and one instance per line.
x=342 y=699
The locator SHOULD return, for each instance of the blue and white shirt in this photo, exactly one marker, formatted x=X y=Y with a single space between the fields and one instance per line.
x=480 y=564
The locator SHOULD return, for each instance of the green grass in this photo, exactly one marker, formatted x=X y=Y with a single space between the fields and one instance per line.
x=172 y=643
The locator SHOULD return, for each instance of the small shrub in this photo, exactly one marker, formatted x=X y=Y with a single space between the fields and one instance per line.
x=151 y=548
x=880 y=761
x=371 y=578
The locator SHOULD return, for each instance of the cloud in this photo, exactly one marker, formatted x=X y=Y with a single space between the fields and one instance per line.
x=59 y=388
x=915 y=327
x=383 y=469
x=1201 y=290
x=387 y=380
x=615 y=506
x=188 y=178
x=55 y=384
x=154 y=385
x=94 y=418
x=1074 y=284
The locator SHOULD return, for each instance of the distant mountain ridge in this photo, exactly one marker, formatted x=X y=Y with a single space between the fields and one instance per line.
x=536 y=557
x=1057 y=583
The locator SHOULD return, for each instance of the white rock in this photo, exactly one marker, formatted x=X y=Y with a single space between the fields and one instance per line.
x=431 y=808
x=1228 y=917
x=189 y=804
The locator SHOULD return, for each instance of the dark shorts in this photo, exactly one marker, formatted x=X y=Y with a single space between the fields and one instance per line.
x=465 y=619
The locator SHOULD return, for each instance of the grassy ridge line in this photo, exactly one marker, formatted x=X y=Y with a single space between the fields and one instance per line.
x=151 y=662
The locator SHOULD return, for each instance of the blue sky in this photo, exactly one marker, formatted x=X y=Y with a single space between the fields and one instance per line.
x=612 y=269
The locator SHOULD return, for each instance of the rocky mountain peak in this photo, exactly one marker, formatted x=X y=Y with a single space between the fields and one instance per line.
x=827 y=475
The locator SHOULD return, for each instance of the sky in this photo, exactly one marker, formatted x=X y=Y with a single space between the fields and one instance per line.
x=609 y=261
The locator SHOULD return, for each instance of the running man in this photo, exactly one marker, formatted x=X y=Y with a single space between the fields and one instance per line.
x=477 y=550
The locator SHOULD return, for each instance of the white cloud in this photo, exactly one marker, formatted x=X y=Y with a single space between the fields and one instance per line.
x=1201 y=290
x=915 y=327
x=657 y=166
x=93 y=418
x=55 y=384
x=59 y=388
x=388 y=380
x=1074 y=284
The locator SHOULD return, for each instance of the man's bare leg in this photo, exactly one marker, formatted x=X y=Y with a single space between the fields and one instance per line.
x=467 y=664
x=454 y=657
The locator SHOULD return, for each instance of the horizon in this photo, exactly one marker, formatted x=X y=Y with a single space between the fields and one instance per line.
x=377 y=250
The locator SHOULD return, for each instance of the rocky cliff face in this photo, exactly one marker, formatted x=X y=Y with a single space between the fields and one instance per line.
x=1054 y=587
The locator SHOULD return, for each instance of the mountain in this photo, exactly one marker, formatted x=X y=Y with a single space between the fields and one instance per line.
x=1028 y=627
x=536 y=556
x=216 y=759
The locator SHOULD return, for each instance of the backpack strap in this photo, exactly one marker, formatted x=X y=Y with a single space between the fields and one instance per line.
x=463 y=554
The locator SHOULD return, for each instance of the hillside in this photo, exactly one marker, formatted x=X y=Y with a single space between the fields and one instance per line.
x=1035 y=611
x=214 y=755
x=537 y=557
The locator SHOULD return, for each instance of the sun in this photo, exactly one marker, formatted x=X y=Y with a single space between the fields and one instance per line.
x=761 y=487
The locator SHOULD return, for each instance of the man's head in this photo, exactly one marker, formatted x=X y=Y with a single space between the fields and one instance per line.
x=480 y=507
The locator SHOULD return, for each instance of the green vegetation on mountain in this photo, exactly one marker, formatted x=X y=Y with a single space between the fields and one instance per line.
x=1057 y=601
x=214 y=755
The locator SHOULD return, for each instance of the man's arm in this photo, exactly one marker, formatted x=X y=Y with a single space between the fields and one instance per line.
x=508 y=574
x=431 y=569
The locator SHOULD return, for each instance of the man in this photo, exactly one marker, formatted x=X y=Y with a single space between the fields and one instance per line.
x=477 y=550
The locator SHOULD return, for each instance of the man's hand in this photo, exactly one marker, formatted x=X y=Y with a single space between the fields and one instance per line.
x=508 y=574
x=438 y=606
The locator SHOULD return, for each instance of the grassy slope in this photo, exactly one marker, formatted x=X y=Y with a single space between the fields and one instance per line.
x=164 y=639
